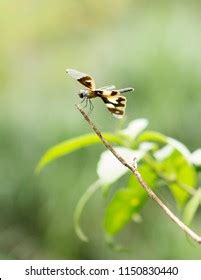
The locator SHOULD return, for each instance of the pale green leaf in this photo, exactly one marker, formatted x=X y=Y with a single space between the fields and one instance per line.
x=152 y=136
x=72 y=145
x=110 y=169
x=120 y=210
x=180 y=174
x=180 y=147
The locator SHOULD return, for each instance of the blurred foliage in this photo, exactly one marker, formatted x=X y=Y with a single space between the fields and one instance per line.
x=170 y=164
x=152 y=46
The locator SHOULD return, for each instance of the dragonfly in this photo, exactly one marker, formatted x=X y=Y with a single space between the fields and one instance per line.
x=112 y=97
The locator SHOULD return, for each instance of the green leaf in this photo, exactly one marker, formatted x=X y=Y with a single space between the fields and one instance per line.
x=73 y=145
x=191 y=207
x=149 y=176
x=182 y=174
x=176 y=167
x=127 y=202
x=120 y=211
x=152 y=136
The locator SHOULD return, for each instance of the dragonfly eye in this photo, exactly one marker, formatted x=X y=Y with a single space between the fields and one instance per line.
x=82 y=94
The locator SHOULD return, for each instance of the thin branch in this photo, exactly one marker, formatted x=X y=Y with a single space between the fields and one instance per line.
x=141 y=181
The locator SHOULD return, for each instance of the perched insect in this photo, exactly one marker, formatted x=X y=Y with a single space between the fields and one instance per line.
x=115 y=102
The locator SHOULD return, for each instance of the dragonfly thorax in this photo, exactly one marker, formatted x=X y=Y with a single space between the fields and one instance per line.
x=83 y=93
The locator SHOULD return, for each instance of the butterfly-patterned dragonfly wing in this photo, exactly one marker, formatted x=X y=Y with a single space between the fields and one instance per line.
x=83 y=78
x=115 y=103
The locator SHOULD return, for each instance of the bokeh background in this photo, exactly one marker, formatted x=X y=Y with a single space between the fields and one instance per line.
x=154 y=46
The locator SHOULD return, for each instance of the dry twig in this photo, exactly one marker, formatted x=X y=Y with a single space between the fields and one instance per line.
x=133 y=169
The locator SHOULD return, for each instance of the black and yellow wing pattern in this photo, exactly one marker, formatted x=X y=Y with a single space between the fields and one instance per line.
x=115 y=101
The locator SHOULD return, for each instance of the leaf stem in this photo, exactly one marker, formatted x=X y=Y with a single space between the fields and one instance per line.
x=79 y=208
x=141 y=181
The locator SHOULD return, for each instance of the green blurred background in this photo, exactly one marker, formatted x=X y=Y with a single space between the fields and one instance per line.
x=154 y=46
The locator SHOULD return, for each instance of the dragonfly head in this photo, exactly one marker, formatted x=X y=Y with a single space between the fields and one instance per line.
x=83 y=93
